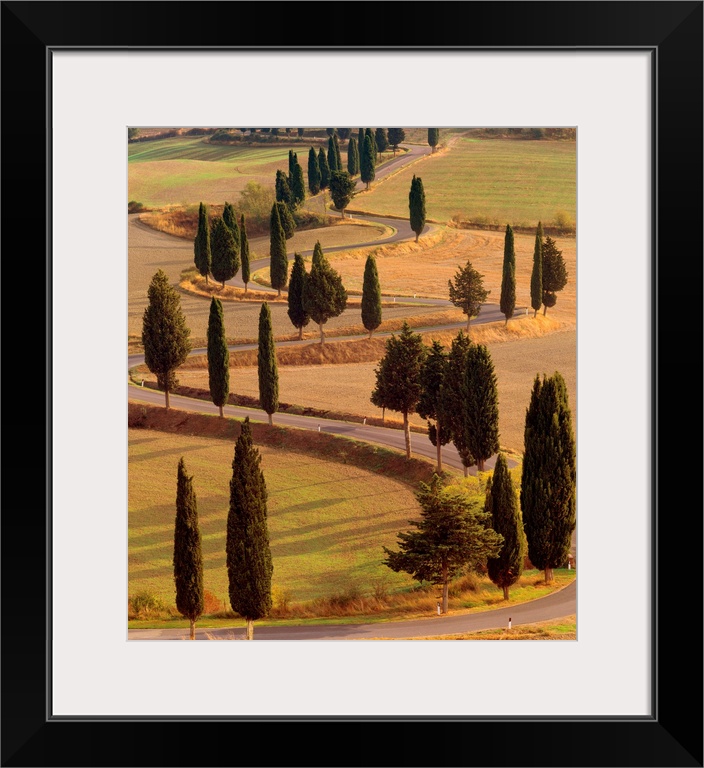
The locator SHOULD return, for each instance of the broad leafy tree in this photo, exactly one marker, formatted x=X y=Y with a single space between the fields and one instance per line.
x=371 y=296
x=218 y=356
x=278 y=265
x=536 y=275
x=165 y=335
x=296 y=310
x=507 y=303
x=324 y=295
x=554 y=273
x=248 y=551
x=201 y=244
x=481 y=406
x=188 y=555
x=451 y=537
x=549 y=473
x=267 y=366
x=226 y=258
x=398 y=384
x=467 y=291
x=396 y=136
x=341 y=190
x=416 y=206
x=502 y=504
x=430 y=406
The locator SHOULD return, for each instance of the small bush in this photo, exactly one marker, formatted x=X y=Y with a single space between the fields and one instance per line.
x=146 y=604
x=135 y=207
x=211 y=603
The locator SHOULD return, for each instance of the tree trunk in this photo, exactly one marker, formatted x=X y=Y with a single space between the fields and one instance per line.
x=439 y=446
x=466 y=470
x=166 y=395
x=250 y=629
x=535 y=313
x=370 y=333
x=445 y=588
x=506 y=323
x=505 y=593
x=279 y=293
x=222 y=412
x=383 y=414
x=417 y=236
x=271 y=419
x=468 y=319
x=245 y=287
x=342 y=213
x=322 y=333
x=367 y=183
x=407 y=434
x=548 y=576
x=480 y=465
x=545 y=310
x=206 y=280
x=223 y=285
x=300 y=332
x=193 y=630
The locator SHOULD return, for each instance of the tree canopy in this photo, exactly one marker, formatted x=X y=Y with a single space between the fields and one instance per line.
x=341 y=190
x=324 y=295
x=467 y=291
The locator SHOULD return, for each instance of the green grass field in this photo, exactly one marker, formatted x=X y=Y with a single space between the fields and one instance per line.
x=516 y=182
x=327 y=521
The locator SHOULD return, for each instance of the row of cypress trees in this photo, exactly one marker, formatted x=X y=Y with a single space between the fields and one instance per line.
x=247 y=548
x=221 y=245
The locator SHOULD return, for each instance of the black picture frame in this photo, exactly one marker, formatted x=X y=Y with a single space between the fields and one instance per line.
x=672 y=31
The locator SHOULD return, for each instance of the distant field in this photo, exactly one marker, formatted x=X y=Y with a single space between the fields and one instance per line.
x=327 y=521
x=516 y=182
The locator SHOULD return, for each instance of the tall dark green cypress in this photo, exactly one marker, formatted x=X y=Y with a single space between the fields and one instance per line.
x=433 y=137
x=554 y=273
x=298 y=185
x=313 y=172
x=226 y=259
x=244 y=253
x=324 y=295
x=381 y=140
x=453 y=395
x=165 y=335
x=366 y=162
x=336 y=149
x=291 y=163
x=324 y=169
x=201 y=244
x=278 y=265
x=188 y=555
x=501 y=503
x=283 y=189
x=218 y=356
x=549 y=474
x=352 y=157
x=416 y=206
x=371 y=296
x=266 y=365
x=333 y=155
x=507 y=303
x=536 y=277
x=481 y=405
x=430 y=406
x=230 y=218
x=368 y=132
x=296 y=310
x=248 y=551
x=287 y=221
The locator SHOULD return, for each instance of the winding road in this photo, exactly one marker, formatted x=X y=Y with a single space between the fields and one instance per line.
x=556 y=605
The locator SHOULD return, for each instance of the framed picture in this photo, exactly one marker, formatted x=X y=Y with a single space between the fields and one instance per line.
x=628 y=78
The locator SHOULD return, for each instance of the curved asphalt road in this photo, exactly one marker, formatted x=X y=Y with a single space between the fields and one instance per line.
x=562 y=603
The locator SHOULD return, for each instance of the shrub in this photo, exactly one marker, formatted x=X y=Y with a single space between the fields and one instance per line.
x=146 y=603
x=135 y=207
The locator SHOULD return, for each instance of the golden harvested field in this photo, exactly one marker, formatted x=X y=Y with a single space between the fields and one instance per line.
x=347 y=387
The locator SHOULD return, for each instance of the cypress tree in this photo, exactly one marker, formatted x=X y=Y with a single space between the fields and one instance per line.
x=291 y=164
x=341 y=190
x=218 y=356
x=352 y=157
x=324 y=169
x=371 y=296
x=453 y=394
x=336 y=149
x=164 y=333
x=301 y=131
x=201 y=245
x=368 y=132
x=298 y=185
x=416 y=205
x=381 y=140
x=507 y=302
x=249 y=562
x=188 y=555
x=296 y=311
x=360 y=141
x=549 y=473
x=333 y=155
x=313 y=173
x=278 y=265
x=398 y=385
x=344 y=133
x=266 y=365
x=481 y=405
x=287 y=221
x=433 y=137
x=536 y=277
x=396 y=136
x=501 y=503
x=324 y=296
x=366 y=162
x=244 y=253
x=226 y=260
x=283 y=189
x=554 y=273
x=230 y=218
x=432 y=377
